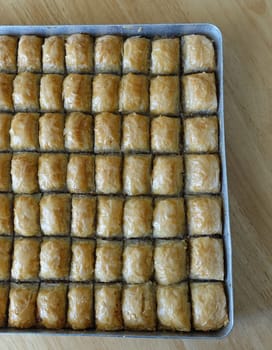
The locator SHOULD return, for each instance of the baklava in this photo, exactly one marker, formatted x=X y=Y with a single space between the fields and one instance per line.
x=105 y=93
x=108 y=174
x=136 y=133
x=8 y=51
x=136 y=55
x=83 y=216
x=6 y=103
x=137 y=174
x=165 y=56
x=26 y=91
x=4 y=298
x=165 y=135
x=6 y=224
x=29 y=53
x=107 y=132
x=79 y=53
x=5 y=166
x=107 y=54
x=51 y=128
x=82 y=261
x=53 y=55
x=5 y=257
x=109 y=217
x=77 y=92
x=80 y=173
x=27 y=215
x=24 y=132
x=5 y=121
x=50 y=93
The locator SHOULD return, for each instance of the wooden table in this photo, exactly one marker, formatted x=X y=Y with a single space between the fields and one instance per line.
x=246 y=27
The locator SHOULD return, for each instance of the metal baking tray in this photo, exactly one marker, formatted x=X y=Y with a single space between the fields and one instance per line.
x=153 y=30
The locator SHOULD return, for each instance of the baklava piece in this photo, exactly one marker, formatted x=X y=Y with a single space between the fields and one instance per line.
x=135 y=133
x=201 y=134
x=5 y=166
x=198 y=54
x=78 y=132
x=199 y=93
x=4 y=296
x=8 y=51
x=108 y=53
x=137 y=174
x=80 y=306
x=5 y=257
x=138 y=307
x=24 y=173
x=51 y=127
x=202 y=173
x=80 y=173
x=170 y=261
x=27 y=215
x=109 y=217
x=204 y=215
x=164 y=95
x=22 y=305
x=5 y=121
x=207 y=258
x=6 y=103
x=105 y=93
x=6 y=224
x=165 y=135
x=29 y=53
x=55 y=259
x=53 y=55
x=136 y=55
x=26 y=92
x=209 y=306
x=169 y=218
x=108 y=174
x=173 y=307
x=108 y=265
x=167 y=176
x=52 y=171
x=25 y=264
x=77 y=91
x=79 y=53
x=51 y=306
x=55 y=214
x=107 y=132
x=24 y=132
x=165 y=56
x=134 y=94
x=82 y=263
x=137 y=261
x=83 y=216
x=108 y=309
x=137 y=219
x=50 y=93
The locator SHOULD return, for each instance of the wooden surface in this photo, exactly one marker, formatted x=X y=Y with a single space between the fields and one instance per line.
x=246 y=27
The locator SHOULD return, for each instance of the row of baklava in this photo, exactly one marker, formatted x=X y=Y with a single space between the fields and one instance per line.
x=82 y=53
x=108 y=93
x=107 y=132
x=109 y=174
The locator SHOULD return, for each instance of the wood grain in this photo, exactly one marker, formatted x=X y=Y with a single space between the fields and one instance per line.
x=246 y=27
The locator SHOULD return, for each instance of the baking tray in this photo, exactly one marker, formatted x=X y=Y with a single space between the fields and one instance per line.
x=153 y=30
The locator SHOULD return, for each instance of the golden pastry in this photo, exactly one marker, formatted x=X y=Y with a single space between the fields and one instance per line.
x=165 y=135
x=55 y=259
x=4 y=296
x=209 y=306
x=108 y=264
x=29 y=53
x=24 y=132
x=83 y=216
x=55 y=214
x=80 y=306
x=202 y=173
x=105 y=93
x=27 y=215
x=136 y=174
x=164 y=95
x=6 y=103
x=77 y=91
x=82 y=262
x=107 y=132
x=51 y=128
x=53 y=55
x=80 y=173
x=167 y=176
x=109 y=217
x=78 y=132
x=108 y=309
x=6 y=224
x=170 y=261
x=136 y=55
x=135 y=133
x=138 y=307
x=137 y=262
x=134 y=94
x=169 y=218
x=50 y=93
x=5 y=165
x=26 y=92
x=137 y=220
x=165 y=56
x=5 y=121
x=108 y=51
x=207 y=258
x=8 y=51
x=108 y=174
x=79 y=53
x=5 y=257
x=173 y=307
